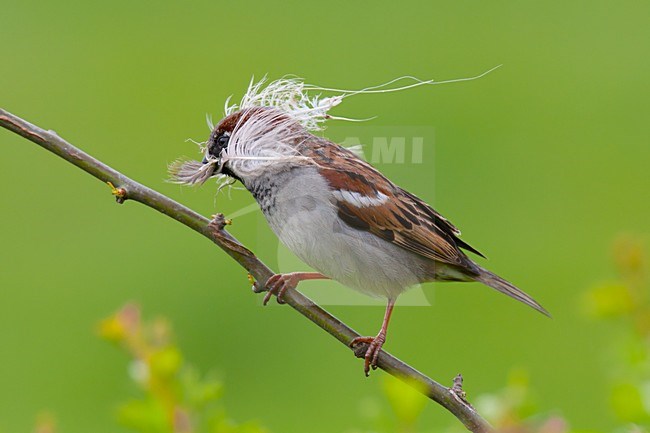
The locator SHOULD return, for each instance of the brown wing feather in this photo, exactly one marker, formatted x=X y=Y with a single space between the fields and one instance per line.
x=402 y=218
x=387 y=222
x=441 y=222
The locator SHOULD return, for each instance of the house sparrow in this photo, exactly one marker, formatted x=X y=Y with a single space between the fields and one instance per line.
x=335 y=211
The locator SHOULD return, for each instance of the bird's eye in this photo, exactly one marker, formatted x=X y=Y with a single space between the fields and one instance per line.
x=222 y=141
x=219 y=143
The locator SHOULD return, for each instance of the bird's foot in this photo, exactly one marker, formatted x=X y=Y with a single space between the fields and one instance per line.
x=278 y=284
x=372 y=352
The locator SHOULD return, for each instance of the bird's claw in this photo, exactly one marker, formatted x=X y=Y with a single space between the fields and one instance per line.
x=277 y=285
x=372 y=352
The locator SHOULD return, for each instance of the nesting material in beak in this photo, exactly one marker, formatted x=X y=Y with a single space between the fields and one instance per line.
x=190 y=172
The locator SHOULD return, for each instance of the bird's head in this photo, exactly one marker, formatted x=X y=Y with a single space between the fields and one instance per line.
x=217 y=145
x=243 y=145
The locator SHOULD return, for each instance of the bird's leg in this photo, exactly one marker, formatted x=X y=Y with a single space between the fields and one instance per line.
x=280 y=283
x=375 y=343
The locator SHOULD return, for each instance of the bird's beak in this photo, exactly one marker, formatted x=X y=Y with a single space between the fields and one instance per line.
x=215 y=166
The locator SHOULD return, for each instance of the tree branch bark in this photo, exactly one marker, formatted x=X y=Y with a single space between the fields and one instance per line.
x=451 y=399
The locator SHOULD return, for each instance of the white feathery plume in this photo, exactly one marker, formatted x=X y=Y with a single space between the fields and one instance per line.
x=208 y=120
x=276 y=117
x=261 y=139
x=292 y=96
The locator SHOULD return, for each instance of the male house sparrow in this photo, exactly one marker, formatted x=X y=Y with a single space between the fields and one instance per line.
x=331 y=208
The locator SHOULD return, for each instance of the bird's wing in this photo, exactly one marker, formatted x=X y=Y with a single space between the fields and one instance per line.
x=368 y=201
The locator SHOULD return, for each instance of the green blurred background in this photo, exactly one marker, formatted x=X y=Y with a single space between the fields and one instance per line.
x=541 y=164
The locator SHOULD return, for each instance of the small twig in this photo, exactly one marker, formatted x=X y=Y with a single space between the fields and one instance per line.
x=119 y=193
x=457 y=390
x=124 y=188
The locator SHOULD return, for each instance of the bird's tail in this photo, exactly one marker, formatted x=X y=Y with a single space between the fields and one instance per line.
x=496 y=282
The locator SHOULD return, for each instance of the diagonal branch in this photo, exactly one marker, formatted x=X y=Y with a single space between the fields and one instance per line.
x=451 y=399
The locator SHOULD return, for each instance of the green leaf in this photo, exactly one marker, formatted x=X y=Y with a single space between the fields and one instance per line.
x=610 y=300
x=166 y=362
x=200 y=392
x=627 y=402
x=405 y=400
x=145 y=416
